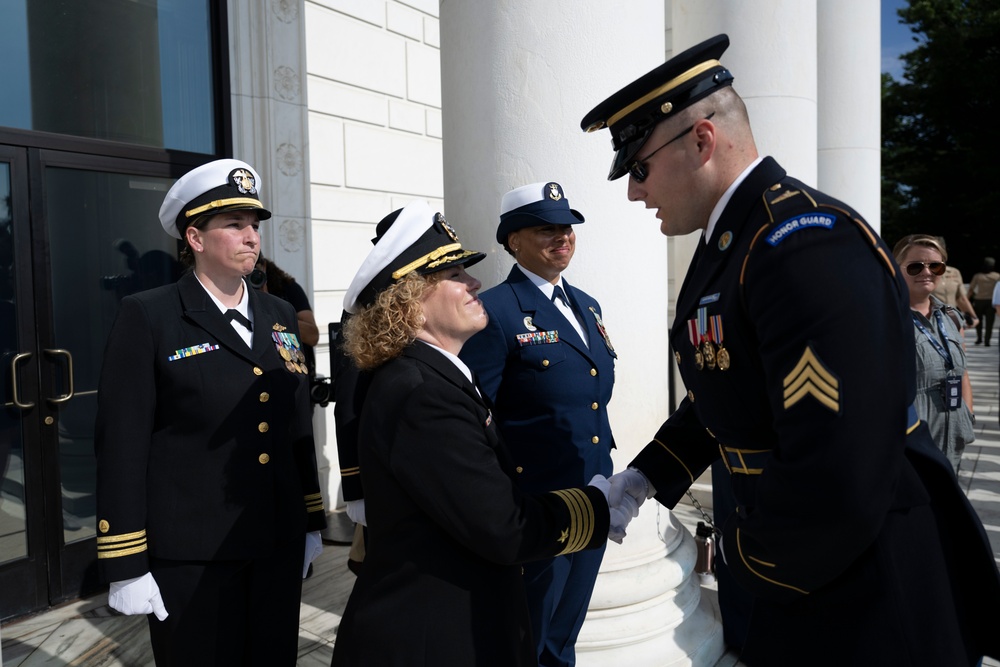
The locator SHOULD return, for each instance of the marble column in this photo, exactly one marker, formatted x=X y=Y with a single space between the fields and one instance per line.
x=517 y=77
x=772 y=55
x=850 y=104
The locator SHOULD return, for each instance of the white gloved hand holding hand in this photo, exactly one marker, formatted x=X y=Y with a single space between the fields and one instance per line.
x=356 y=511
x=140 y=595
x=632 y=483
x=314 y=547
x=620 y=514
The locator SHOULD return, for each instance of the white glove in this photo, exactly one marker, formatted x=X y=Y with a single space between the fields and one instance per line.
x=137 y=596
x=314 y=547
x=356 y=511
x=632 y=483
x=620 y=516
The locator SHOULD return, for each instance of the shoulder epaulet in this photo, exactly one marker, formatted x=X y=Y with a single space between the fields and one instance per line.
x=791 y=207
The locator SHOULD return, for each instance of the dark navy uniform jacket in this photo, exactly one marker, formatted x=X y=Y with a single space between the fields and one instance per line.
x=551 y=393
x=447 y=526
x=856 y=543
x=204 y=445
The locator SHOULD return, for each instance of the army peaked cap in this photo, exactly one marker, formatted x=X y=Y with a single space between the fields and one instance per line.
x=633 y=112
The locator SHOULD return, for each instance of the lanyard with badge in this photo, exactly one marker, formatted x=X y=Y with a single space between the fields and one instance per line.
x=951 y=386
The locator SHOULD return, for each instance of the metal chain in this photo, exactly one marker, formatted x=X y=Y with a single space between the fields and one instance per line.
x=704 y=515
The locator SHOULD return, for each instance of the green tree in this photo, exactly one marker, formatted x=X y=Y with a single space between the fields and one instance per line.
x=940 y=136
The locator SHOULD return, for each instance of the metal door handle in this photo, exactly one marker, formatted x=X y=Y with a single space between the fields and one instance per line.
x=13 y=380
x=69 y=359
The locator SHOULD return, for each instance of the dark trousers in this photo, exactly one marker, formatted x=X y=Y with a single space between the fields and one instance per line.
x=986 y=312
x=559 y=591
x=222 y=613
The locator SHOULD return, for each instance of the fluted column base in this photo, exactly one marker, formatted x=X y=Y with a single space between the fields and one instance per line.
x=647 y=608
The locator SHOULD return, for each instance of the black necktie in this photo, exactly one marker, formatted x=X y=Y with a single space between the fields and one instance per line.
x=558 y=293
x=234 y=314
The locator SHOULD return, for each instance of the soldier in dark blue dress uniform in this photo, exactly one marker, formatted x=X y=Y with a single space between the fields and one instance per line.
x=547 y=363
x=793 y=337
x=208 y=500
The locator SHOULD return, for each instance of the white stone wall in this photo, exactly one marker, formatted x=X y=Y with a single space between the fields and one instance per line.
x=374 y=107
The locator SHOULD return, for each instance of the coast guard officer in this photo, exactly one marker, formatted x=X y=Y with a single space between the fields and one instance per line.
x=794 y=339
x=208 y=499
x=547 y=363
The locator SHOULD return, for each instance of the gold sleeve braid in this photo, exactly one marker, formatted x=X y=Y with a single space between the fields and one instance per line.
x=581 y=520
x=314 y=502
x=116 y=546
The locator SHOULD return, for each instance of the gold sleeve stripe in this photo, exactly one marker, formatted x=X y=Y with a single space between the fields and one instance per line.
x=677 y=458
x=123 y=545
x=581 y=515
x=125 y=537
x=739 y=547
x=120 y=552
x=313 y=496
x=318 y=508
x=347 y=472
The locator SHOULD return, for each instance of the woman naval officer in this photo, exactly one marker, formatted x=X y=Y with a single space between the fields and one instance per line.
x=447 y=526
x=208 y=499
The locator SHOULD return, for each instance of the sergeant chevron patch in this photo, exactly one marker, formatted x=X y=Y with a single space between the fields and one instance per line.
x=811 y=378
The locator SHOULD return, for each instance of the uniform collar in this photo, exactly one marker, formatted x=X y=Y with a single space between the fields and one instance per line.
x=720 y=206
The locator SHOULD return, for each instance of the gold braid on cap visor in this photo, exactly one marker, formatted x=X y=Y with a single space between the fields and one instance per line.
x=219 y=203
x=429 y=257
x=665 y=88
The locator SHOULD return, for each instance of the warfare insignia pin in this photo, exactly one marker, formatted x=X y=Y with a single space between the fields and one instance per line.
x=529 y=324
x=278 y=327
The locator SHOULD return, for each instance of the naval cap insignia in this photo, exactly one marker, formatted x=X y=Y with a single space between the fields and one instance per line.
x=244 y=181
x=448 y=229
x=555 y=192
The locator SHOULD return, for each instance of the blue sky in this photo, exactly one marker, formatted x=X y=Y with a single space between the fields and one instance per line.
x=896 y=37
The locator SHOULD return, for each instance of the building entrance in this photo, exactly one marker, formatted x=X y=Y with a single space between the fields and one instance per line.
x=77 y=233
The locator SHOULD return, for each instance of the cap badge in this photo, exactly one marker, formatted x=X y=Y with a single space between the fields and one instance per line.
x=439 y=218
x=555 y=192
x=244 y=181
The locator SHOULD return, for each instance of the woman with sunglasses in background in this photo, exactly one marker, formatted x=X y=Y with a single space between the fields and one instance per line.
x=944 y=393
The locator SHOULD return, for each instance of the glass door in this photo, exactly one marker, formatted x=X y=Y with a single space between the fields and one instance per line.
x=95 y=238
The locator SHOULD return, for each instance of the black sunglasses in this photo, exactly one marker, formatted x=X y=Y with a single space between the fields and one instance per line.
x=638 y=168
x=916 y=268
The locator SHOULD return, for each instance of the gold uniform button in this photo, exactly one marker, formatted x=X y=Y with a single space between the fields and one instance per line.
x=519 y=469
x=262 y=427
x=593 y=371
x=545 y=363
x=104 y=526
x=594 y=406
x=257 y=370
x=595 y=440
x=690 y=395
x=263 y=458
x=264 y=397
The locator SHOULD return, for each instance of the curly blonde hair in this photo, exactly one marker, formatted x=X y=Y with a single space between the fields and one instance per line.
x=379 y=333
